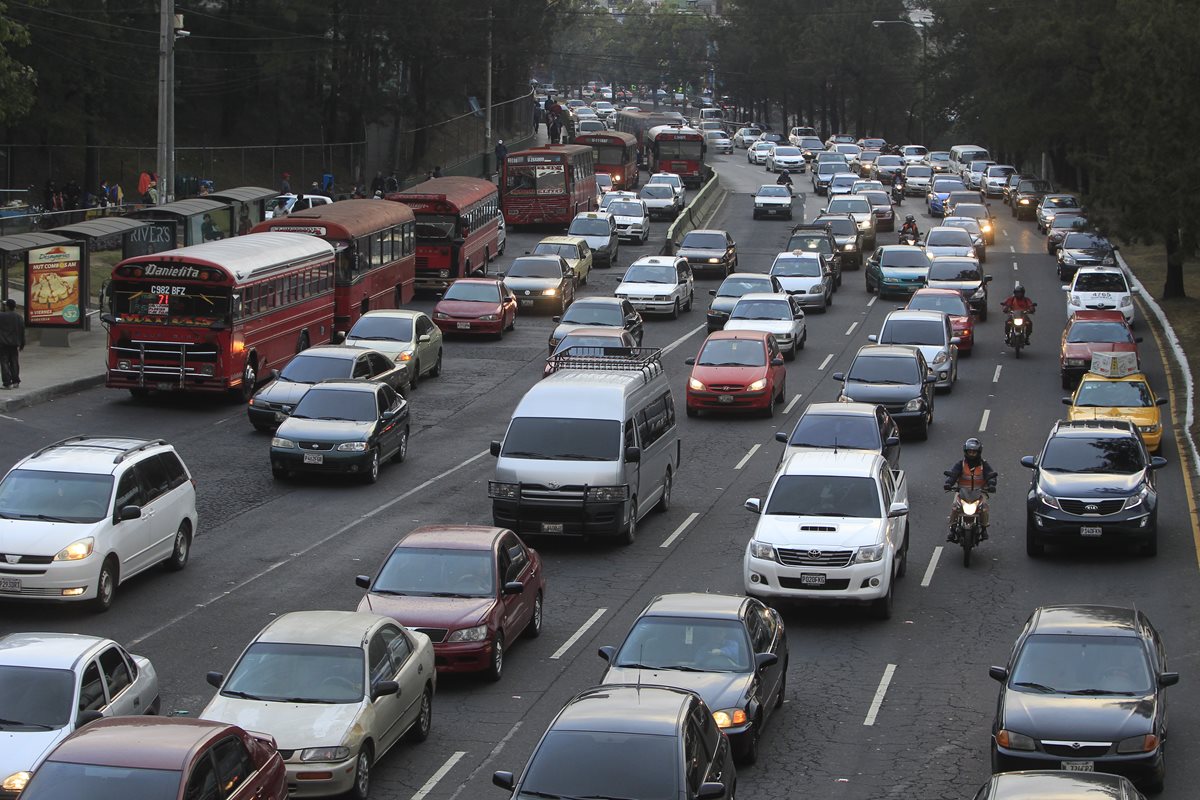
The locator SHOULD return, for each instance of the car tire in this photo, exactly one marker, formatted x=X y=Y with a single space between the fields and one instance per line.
x=419 y=732
x=790 y=355
x=437 y=365
x=691 y=300
x=1067 y=383
x=629 y=535
x=401 y=449
x=537 y=619
x=1033 y=548
x=882 y=608
x=106 y=585
x=779 y=698
x=181 y=549
x=902 y=567
x=922 y=431
x=675 y=309
x=361 y=788
x=803 y=340
x=415 y=378
x=495 y=668
x=372 y=473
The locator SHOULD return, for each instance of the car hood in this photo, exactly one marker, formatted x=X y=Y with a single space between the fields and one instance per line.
x=798 y=284
x=430 y=612
x=966 y=287
x=643 y=289
x=1077 y=719
x=700 y=252
x=657 y=202
x=1085 y=349
x=468 y=308
x=294 y=726
x=533 y=284
x=814 y=532
x=389 y=347
x=324 y=430
x=885 y=393
x=40 y=538
x=287 y=392
x=723 y=375
x=1098 y=253
x=1089 y=484
x=23 y=751
x=718 y=689
x=766 y=325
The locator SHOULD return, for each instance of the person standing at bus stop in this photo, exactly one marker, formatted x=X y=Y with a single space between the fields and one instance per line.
x=501 y=153
x=12 y=340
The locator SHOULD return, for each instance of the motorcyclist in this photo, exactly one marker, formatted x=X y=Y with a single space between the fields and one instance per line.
x=1017 y=301
x=972 y=472
x=784 y=179
x=910 y=228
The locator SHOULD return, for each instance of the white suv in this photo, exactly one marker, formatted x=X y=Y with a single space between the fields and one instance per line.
x=658 y=285
x=81 y=516
x=1100 y=289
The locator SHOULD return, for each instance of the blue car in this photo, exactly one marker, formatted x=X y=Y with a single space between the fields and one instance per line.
x=939 y=191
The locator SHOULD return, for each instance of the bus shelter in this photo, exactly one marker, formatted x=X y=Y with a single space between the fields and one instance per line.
x=53 y=281
x=105 y=242
x=249 y=205
x=185 y=223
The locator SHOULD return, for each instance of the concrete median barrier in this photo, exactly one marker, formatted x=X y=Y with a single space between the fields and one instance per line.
x=695 y=214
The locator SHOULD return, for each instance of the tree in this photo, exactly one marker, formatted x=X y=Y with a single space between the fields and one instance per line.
x=18 y=81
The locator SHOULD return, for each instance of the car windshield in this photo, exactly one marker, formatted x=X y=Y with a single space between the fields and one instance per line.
x=1036 y=187
x=1087 y=665
x=56 y=780
x=904 y=257
x=824 y=496
x=913 y=331
x=538 y=267
x=578 y=764
x=594 y=314
x=1112 y=394
x=553 y=249
x=1118 y=455
x=732 y=353
x=787 y=151
x=869 y=369
x=473 y=292
x=1084 y=241
x=840 y=226
x=314 y=368
x=393 y=329
x=707 y=645
x=704 y=241
x=849 y=205
x=736 y=287
x=55 y=496
x=943 y=186
x=889 y=161
x=797 y=267
x=948 y=238
x=918 y=172
x=650 y=273
x=565 y=439
x=298 y=673
x=855 y=431
x=762 y=310
x=812 y=242
x=1100 y=282
x=876 y=198
x=626 y=209
x=35 y=698
x=965 y=223
x=773 y=191
x=1061 y=202
x=952 y=304
x=588 y=227
x=432 y=572
x=1108 y=332
x=843 y=179
x=965 y=270
x=657 y=191
x=337 y=404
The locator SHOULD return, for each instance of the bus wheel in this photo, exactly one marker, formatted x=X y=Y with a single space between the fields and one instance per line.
x=249 y=378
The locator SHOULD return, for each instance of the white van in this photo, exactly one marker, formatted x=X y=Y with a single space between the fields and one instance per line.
x=709 y=114
x=961 y=156
x=590 y=449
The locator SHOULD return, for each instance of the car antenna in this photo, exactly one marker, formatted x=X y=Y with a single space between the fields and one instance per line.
x=835 y=444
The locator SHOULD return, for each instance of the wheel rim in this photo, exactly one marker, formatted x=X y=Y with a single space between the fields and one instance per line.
x=181 y=545
x=426 y=708
x=537 y=613
x=362 y=781
x=375 y=465
x=403 y=445
x=667 y=492
x=104 y=587
x=498 y=657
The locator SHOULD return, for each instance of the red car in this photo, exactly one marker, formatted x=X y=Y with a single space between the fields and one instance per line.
x=599 y=341
x=476 y=305
x=472 y=589
x=1089 y=332
x=737 y=370
x=951 y=303
x=145 y=757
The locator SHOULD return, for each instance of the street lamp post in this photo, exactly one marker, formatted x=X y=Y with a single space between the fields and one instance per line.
x=923 y=30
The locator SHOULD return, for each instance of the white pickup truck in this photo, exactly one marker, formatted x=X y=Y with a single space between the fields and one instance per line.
x=834 y=527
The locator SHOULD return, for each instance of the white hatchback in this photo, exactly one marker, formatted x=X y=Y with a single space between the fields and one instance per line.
x=1100 y=289
x=658 y=285
x=780 y=314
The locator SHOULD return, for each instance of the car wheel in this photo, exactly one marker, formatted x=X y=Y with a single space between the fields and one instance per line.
x=182 y=547
x=372 y=473
x=803 y=339
x=779 y=698
x=415 y=378
x=106 y=585
x=870 y=288
x=437 y=365
x=402 y=448
x=1033 y=548
x=691 y=300
x=664 y=502
x=630 y=534
x=419 y=732
x=675 y=309
x=534 y=628
x=790 y=355
x=495 y=668
x=902 y=567
x=361 y=789
x=748 y=752
x=882 y=607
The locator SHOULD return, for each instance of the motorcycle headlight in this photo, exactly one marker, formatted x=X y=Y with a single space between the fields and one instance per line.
x=1015 y=741
x=76 y=551
x=325 y=754
x=757 y=386
x=695 y=385
x=728 y=717
x=762 y=550
x=914 y=405
x=283 y=444
x=969 y=507
x=353 y=447
x=16 y=782
x=476 y=634
x=870 y=554
x=1137 y=499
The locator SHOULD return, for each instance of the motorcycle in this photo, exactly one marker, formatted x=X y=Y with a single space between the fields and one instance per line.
x=967 y=530
x=897 y=191
x=1016 y=329
x=909 y=238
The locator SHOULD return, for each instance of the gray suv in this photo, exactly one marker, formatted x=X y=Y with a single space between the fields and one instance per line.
x=599 y=229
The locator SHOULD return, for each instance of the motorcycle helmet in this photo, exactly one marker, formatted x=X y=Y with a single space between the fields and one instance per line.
x=973 y=451
x=783 y=173
x=1019 y=290
x=910 y=219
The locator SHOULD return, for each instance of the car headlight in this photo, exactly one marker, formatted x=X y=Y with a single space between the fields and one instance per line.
x=282 y=443
x=695 y=385
x=916 y=404
x=1074 y=362
x=728 y=717
x=1024 y=201
x=1065 y=257
x=1138 y=744
x=1014 y=741
x=554 y=341
x=1076 y=300
x=76 y=551
x=608 y=494
x=759 y=205
x=757 y=386
x=1137 y=499
x=762 y=550
x=549 y=292
x=1047 y=500
x=978 y=294
x=1126 y=301
x=504 y=491
x=714 y=261
x=941 y=358
x=440 y=315
x=476 y=634
x=1109 y=261
x=353 y=447
x=488 y=318
x=816 y=288
x=1150 y=428
x=16 y=782
x=325 y=754
x=850 y=248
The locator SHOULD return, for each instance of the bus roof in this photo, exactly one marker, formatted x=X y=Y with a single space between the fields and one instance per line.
x=245 y=258
x=560 y=149
x=605 y=137
x=345 y=219
x=456 y=191
x=678 y=131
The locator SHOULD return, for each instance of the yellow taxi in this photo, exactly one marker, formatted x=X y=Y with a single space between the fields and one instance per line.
x=1128 y=397
x=574 y=249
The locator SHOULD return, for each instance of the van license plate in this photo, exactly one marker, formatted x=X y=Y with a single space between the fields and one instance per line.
x=1079 y=766
x=314 y=458
x=464 y=326
x=810 y=579
x=10 y=585
x=552 y=527
x=525 y=302
x=1085 y=531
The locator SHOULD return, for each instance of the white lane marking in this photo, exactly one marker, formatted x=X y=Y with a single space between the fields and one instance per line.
x=320 y=542
x=987 y=412
x=825 y=363
x=1015 y=266
x=682 y=527
x=682 y=339
x=884 y=682
x=748 y=456
x=6 y=416
x=871 y=302
x=933 y=562
x=437 y=776
x=1012 y=249
x=996 y=377
x=791 y=405
x=578 y=634
x=487 y=759
x=850 y=330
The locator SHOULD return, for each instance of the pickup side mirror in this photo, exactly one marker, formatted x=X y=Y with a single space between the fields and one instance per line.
x=1029 y=462
x=362 y=581
x=780 y=436
x=764 y=660
x=753 y=505
x=504 y=780
x=998 y=673
x=897 y=510
x=384 y=688
x=495 y=448
x=633 y=455
x=1166 y=679
x=608 y=653
x=215 y=679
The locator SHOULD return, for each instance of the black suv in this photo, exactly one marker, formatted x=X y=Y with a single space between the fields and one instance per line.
x=849 y=238
x=1025 y=197
x=896 y=377
x=1093 y=482
x=819 y=238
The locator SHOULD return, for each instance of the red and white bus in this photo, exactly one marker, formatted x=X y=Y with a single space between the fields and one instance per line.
x=458 y=228
x=637 y=123
x=217 y=316
x=614 y=153
x=376 y=252
x=548 y=184
x=672 y=148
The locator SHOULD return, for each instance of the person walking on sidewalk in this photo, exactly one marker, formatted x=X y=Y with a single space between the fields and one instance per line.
x=12 y=340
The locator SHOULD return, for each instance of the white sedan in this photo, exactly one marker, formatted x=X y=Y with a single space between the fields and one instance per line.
x=785 y=156
x=757 y=152
x=779 y=314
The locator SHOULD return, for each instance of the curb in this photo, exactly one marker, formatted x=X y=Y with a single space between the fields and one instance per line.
x=51 y=392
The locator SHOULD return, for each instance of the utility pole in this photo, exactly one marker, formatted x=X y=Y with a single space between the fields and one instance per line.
x=488 y=148
x=170 y=29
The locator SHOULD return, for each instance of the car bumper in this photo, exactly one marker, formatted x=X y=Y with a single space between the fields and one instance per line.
x=292 y=460
x=664 y=306
x=885 y=223
x=473 y=325
x=916 y=189
x=716 y=322
x=766 y=579
x=457 y=657
x=899 y=286
x=810 y=300
x=1140 y=768
x=561 y=518
x=318 y=779
x=663 y=212
x=49 y=582
x=773 y=211
x=1051 y=526
x=631 y=233
x=729 y=400
x=945 y=375
x=700 y=268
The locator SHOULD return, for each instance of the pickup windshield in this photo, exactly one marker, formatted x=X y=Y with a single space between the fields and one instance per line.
x=824 y=496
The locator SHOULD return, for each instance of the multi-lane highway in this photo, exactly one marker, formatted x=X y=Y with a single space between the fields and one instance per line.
x=875 y=709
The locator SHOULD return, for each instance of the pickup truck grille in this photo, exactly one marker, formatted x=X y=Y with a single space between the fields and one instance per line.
x=814 y=558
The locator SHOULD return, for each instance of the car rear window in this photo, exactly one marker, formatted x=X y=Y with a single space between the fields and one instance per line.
x=856 y=431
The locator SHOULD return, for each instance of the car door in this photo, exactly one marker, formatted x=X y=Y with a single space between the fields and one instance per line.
x=202 y=781
x=386 y=370
x=91 y=694
x=156 y=491
x=385 y=721
x=519 y=568
x=123 y=697
x=508 y=305
x=687 y=284
x=389 y=427
x=777 y=372
x=797 y=319
x=428 y=340
x=236 y=774
x=362 y=368
x=130 y=538
x=409 y=672
x=767 y=636
x=888 y=432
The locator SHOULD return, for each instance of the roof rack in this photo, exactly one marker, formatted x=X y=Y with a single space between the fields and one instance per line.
x=1097 y=424
x=646 y=360
x=81 y=441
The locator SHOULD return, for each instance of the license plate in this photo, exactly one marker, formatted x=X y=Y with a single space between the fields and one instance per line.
x=464 y=326
x=810 y=579
x=552 y=527
x=1090 y=532
x=314 y=458
x=280 y=416
x=164 y=386
x=10 y=585
x=725 y=398
x=1079 y=766
x=525 y=302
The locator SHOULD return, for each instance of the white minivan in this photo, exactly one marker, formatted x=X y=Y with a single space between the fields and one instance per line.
x=961 y=156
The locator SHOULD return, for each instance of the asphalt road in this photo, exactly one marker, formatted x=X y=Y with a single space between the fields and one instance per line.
x=266 y=547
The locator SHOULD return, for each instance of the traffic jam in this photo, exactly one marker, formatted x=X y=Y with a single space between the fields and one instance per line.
x=687 y=459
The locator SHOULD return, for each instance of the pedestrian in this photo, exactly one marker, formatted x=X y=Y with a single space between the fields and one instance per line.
x=116 y=195
x=151 y=197
x=501 y=152
x=12 y=340
x=377 y=183
x=244 y=224
x=437 y=171
x=102 y=197
x=209 y=231
x=285 y=185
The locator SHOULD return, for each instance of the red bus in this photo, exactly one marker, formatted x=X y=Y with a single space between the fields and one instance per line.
x=672 y=148
x=548 y=184
x=376 y=252
x=217 y=316
x=638 y=122
x=458 y=228
x=614 y=153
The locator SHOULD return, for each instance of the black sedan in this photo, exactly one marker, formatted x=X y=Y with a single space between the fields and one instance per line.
x=732 y=651
x=1025 y=197
x=606 y=312
x=1083 y=249
x=841 y=426
x=1059 y=784
x=271 y=404
x=343 y=426
x=1083 y=691
x=896 y=377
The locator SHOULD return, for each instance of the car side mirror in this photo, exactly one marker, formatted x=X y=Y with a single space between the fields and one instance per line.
x=840 y=377
x=362 y=581
x=1160 y=401
x=872 y=337
x=764 y=660
x=897 y=510
x=215 y=679
x=780 y=436
x=1066 y=288
x=931 y=378
x=504 y=780
x=892 y=441
x=998 y=673
x=1166 y=679
x=711 y=790
x=955 y=340
x=500 y=276
x=131 y=512
x=1029 y=462
x=712 y=292
x=495 y=448
x=987 y=278
x=274 y=374
x=556 y=319
x=1157 y=462
x=338 y=337
x=633 y=455
x=608 y=653
x=691 y=362
x=91 y=716
x=777 y=361
x=1066 y=401
x=514 y=587
x=384 y=688
x=1137 y=340
x=389 y=414
x=423 y=338
x=753 y=505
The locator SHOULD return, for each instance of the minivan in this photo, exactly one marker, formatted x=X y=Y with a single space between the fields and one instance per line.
x=590 y=449
x=961 y=156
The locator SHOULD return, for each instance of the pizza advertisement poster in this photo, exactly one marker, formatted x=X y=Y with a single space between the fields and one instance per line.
x=52 y=287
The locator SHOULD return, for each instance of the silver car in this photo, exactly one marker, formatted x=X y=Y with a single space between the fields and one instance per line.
x=403 y=335
x=948 y=241
x=929 y=332
x=916 y=179
x=804 y=276
x=600 y=231
x=660 y=200
x=858 y=207
x=780 y=314
x=718 y=141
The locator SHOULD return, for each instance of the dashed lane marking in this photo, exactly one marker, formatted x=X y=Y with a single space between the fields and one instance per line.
x=880 y=693
x=437 y=776
x=791 y=405
x=825 y=363
x=933 y=562
x=850 y=330
x=577 y=635
x=748 y=456
x=996 y=376
x=871 y=302
x=679 y=531
x=984 y=421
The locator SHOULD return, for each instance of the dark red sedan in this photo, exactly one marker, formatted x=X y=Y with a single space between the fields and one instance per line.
x=737 y=370
x=476 y=306
x=1088 y=333
x=951 y=303
x=152 y=757
x=472 y=589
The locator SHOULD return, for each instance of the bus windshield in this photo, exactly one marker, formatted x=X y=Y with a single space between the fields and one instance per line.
x=170 y=304
x=685 y=151
x=431 y=226
x=537 y=179
x=609 y=155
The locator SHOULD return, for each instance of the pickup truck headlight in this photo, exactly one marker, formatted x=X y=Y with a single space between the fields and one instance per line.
x=283 y=444
x=503 y=491
x=869 y=554
x=76 y=551
x=325 y=754
x=476 y=634
x=762 y=550
x=353 y=447
x=608 y=494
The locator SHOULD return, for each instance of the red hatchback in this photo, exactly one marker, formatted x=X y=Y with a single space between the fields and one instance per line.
x=1090 y=332
x=472 y=589
x=951 y=303
x=476 y=305
x=737 y=370
x=145 y=757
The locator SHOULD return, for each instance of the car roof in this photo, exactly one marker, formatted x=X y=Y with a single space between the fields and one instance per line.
x=1133 y=377
x=344 y=384
x=488 y=281
x=696 y=604
x=841 y=409
x=598 y=301
x=759 y=336
x=626 y=709
x=926 y=291
x=1041 y=784
x=138 y=742
x=607 y=331
x=575 y=240
x=920 y=315
x=1101 y=271
x=658 y=261
x=741 y=276
x=583 y=215
x=708 y=230
x=393 y=313
x=91 y=455
x=1094 y=428
x=845 y=463
x=1085 y=620
x=453 y=537
x=1086 y=315
x=345 y=628
x=338 y=351
x=888 y=351
x=47 y=650
x=763 y=296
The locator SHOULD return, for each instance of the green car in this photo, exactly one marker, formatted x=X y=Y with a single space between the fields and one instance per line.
x=897 y=269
